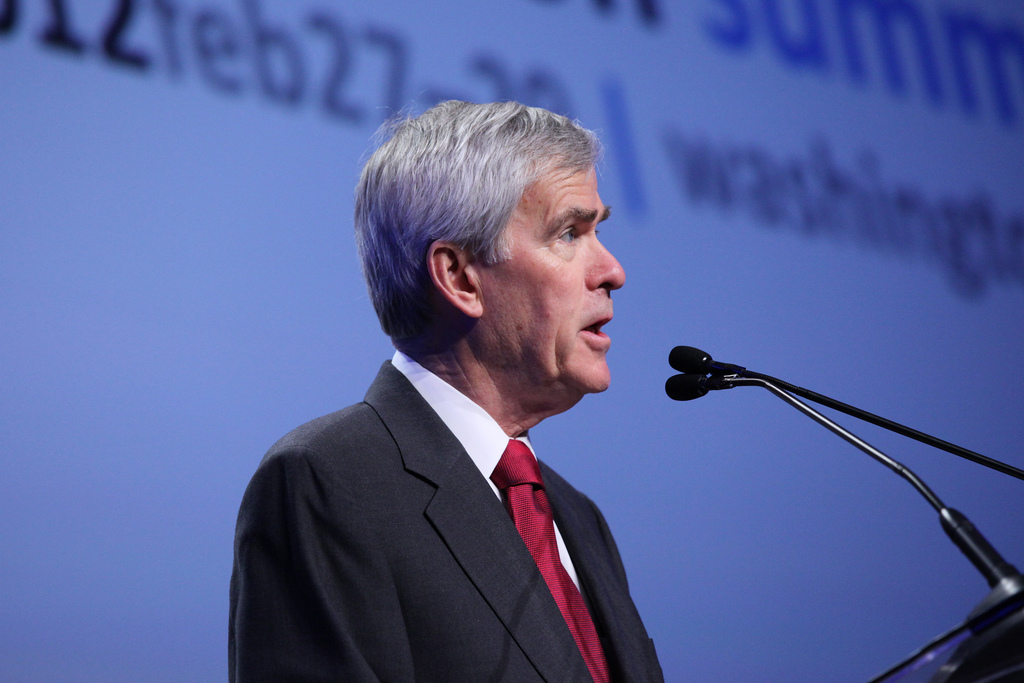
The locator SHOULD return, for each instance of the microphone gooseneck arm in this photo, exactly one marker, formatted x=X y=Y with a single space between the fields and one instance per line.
x=693 y=383
x=978 y=458
x=897 y=467
x=988 y=561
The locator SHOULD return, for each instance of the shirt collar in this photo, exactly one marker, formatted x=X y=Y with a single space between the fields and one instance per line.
x=482 y=437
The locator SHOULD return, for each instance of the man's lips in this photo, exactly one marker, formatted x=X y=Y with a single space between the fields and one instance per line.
x=595 y=327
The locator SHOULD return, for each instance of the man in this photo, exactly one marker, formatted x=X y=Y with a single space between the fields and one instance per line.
x=410 y=537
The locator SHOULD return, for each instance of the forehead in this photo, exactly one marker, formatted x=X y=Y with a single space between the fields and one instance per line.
x=560 y=189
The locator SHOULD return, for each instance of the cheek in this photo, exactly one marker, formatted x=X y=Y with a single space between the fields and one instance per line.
x=566 y=323
x=547 y=312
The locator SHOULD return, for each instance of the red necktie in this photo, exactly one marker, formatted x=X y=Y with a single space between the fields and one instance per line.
x=518 y=474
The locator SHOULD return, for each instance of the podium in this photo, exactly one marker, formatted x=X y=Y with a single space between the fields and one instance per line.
x=988 y=647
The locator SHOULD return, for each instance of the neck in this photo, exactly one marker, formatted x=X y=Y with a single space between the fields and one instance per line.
x=490 y=388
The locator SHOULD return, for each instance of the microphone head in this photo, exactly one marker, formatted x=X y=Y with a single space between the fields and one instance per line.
x=689 y=360
x=685 y=387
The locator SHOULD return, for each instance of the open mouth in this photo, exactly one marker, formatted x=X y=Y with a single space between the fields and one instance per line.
x=596 y=327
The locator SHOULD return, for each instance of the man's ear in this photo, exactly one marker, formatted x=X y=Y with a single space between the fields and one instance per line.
x=453 y=270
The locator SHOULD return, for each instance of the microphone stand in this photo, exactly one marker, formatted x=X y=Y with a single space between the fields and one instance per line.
x=996 y=570
x=997 y=622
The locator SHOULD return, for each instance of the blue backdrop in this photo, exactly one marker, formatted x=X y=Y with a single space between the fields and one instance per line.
x=823 y=190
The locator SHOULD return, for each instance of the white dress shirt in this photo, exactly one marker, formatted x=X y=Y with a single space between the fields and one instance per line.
x=482 y=437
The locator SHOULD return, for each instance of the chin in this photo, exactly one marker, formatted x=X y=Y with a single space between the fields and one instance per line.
x=595 y=380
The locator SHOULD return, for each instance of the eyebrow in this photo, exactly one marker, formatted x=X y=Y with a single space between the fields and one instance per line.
x=578 y=214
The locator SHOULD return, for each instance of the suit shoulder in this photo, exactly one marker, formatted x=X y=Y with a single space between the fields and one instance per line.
x=327 y=462
x=355 y=425
x=342 y=444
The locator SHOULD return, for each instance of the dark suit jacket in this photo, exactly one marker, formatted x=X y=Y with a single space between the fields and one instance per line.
x=370 y=548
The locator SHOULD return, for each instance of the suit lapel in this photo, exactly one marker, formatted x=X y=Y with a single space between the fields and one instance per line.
x=477 y=529
x=623 y=635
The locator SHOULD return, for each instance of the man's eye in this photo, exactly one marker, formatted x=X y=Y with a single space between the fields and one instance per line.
x=568 y=236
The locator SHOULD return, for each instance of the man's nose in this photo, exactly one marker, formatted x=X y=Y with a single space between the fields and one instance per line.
x=608 y=272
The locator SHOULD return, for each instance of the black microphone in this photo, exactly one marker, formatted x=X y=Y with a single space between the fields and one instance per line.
x=685 y=387
x=689 y=386
x=689 y=360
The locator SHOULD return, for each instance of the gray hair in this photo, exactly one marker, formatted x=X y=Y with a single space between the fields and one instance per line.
x=455 y=173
